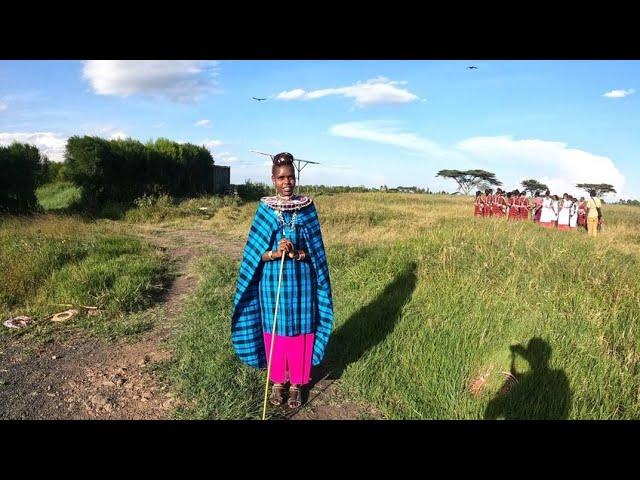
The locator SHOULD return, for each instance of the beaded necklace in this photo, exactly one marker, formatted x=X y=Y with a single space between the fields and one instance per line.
x=290 y=225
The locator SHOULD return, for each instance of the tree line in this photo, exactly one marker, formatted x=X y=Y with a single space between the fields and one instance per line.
x=107 y=170
x=468 y=180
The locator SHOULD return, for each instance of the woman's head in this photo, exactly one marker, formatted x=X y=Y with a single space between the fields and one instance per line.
x=547 y=193
x=537 y=194
x=478 y=193
x=283 y=174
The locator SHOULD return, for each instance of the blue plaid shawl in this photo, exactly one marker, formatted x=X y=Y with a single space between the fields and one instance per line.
x=246 y=323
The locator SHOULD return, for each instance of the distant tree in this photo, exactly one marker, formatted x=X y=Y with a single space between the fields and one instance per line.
x=469 y=179
x=600 y=188
x=533 y=186
x=48 y=172
x=44 y=173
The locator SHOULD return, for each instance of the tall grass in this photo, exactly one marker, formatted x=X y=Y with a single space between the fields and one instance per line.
x=205 y=370
x=52 y=260
x=163 y=208
x=429 y=299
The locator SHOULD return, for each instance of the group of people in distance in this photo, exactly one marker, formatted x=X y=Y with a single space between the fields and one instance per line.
x=548 y=211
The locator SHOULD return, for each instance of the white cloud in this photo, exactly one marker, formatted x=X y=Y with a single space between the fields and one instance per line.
x=183 y=81
x=110 y=132
x=224 y=158
x=295 y=94
x=390 y=133
x=561 y=166
x=553 y=163
x=211 y=144
x=619 y=93
x=118 y=136
x=3 y=106
x=220 y=158
x=374 y=91
x=203 y=123
x=50 y=144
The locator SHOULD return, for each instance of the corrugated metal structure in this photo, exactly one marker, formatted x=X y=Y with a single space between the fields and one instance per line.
x=221 y=179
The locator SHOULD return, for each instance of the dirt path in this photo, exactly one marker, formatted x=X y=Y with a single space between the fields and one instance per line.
x=85 y=378
x=324 y=402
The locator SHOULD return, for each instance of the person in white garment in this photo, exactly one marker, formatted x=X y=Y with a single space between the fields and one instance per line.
x=564 y=212
x=555 y=206
x=547 y=216
x=573 y=214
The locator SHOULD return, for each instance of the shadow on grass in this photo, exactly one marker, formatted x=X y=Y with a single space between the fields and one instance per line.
x=366 y=328
x=539 y=394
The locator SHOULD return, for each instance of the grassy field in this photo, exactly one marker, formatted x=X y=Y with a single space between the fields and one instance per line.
x=50 y=260
x=432 y=304
x=436 y=311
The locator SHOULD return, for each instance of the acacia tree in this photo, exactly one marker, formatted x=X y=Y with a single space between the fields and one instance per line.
x=600 y=188
x=469 y=179
x=533 y=186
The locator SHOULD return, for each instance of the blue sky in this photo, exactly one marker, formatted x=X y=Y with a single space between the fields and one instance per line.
x=367 y=122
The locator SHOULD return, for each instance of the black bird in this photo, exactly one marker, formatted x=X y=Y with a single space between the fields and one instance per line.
x=258 y=99
x=472 y=67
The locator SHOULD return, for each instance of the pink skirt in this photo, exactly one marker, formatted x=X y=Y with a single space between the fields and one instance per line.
x=292 y=356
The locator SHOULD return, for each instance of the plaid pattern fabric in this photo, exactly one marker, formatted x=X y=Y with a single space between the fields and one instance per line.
x=306 y=304
x=296 y=313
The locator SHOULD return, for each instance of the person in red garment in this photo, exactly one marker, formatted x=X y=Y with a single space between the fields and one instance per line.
x=477 y=211
x=582 y=213
x=487 y=209
x=524 y=206
x=536 y=208
x=514 y=205
x=499 y=204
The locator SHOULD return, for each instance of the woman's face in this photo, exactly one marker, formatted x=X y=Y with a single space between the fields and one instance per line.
x=284 y=179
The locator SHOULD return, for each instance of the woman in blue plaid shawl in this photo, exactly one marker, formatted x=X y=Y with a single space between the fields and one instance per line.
x=286 y=224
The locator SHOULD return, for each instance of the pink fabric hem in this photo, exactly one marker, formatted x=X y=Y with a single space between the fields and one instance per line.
x=291 y=358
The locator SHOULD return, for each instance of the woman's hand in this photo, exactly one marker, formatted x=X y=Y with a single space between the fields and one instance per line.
x=285 y=245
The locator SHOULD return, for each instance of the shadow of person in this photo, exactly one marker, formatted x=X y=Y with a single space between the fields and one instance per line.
x=539 y=394
x=366 y=328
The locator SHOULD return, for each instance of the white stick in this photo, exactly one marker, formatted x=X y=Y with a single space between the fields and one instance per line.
x=273 y=336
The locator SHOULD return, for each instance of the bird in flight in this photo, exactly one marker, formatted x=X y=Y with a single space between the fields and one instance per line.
x=259 y=99
x=472 y=67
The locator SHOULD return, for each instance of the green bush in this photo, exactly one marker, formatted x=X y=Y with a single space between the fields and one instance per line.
x=21 y=168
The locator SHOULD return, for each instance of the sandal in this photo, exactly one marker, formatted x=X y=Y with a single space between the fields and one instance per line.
x=295 y=396
x=277 y=394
